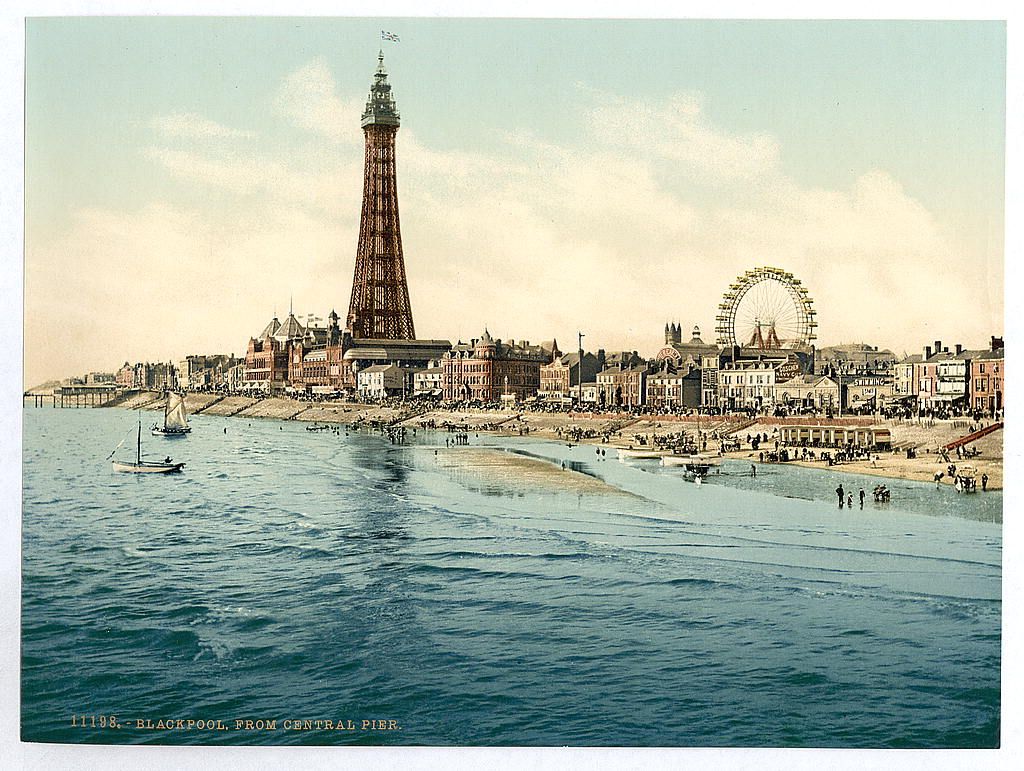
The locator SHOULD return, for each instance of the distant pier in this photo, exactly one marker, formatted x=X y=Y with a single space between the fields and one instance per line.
x=79 y=395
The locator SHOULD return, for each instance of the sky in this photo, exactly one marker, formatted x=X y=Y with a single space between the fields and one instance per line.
x=186 y=178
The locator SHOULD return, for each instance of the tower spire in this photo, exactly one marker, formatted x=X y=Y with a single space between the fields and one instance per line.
x=379 y=307
x=380 y=104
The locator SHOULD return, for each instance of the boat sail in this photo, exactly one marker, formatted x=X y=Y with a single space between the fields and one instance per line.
x=175 y=418
x=141 y=466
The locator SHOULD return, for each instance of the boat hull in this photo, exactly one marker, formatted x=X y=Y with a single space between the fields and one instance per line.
x=689 y=460
x=147 y=468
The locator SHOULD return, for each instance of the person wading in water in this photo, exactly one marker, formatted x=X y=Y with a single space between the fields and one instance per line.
x=840 y=493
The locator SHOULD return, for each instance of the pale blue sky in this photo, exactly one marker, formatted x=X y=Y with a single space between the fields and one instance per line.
x=841 y=97
x=922 y=102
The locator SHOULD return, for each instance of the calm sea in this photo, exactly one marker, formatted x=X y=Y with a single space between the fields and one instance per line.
x=301 y=576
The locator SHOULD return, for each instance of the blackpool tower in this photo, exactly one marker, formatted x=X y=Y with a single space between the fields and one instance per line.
x=379 y=307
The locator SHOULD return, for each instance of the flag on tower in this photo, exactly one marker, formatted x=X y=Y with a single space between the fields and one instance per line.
x=389 y=36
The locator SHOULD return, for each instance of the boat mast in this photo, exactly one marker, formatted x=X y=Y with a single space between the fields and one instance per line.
x=138 y=445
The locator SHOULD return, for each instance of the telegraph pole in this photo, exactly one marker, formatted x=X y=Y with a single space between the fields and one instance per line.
x=579 y=370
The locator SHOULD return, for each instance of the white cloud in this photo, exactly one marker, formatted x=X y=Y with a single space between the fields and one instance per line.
x=308 y=98
x=679 y=133
x=192 y=126
x=326 y=184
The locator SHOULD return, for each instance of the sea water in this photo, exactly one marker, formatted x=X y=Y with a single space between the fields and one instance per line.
x=291 y=575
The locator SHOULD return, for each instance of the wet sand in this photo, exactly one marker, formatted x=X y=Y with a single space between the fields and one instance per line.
x=921 y=469
x=499 y=471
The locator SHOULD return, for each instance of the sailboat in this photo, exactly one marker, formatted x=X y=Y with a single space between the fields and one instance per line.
x=141 y=466
x=175 y=419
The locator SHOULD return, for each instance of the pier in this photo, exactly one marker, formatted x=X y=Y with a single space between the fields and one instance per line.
x=79 y=395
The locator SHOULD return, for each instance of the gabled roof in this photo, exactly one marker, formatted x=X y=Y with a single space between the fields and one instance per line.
x=291 y=329
x=270 y=330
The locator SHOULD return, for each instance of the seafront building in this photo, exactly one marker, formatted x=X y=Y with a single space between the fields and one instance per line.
x=428 y=382
x=853 y=358
x=489 y=370
x=709 y=366
x=267 y=356
x=560 y=380
x=865 y=391
x=957 y=381
x=904 y=379
x=817 y=393
x=673 y=390
x=144 y=375
x=747 y=377
x=684 y=355
x=747 y=384
x=199 y=372
x=624 y=385
x=986 y=384
x=380 y=381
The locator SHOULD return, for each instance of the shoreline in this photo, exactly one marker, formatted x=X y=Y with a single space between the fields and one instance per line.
x=621 y=430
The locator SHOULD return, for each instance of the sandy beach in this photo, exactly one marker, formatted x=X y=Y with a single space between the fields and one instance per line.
x=622 y=430
x=499 y=472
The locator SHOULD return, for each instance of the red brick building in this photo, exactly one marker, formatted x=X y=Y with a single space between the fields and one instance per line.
x=561 y=378
x=487 y=369
x=987 y=380
x=266 y=358
x=623 y=386
x=316 y=360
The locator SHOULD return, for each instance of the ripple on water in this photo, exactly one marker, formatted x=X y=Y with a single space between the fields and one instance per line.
x=366 y=581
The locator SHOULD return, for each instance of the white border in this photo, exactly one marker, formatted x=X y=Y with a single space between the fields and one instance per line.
x=16 y=754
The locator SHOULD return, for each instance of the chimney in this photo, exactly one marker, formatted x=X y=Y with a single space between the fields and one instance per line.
x=959 y=348
x=938 y=346
x=927 y=352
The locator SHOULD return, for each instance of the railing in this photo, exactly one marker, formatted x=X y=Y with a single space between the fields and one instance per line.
x=972 y=437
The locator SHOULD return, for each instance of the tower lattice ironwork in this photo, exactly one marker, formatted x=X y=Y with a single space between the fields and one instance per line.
x=380 y=307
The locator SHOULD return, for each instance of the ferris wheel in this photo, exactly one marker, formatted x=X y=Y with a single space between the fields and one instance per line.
x=766 y=308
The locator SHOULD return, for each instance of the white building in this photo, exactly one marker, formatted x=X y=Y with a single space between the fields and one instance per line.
x=379 y=381
x=747 y=384
x=427 y=382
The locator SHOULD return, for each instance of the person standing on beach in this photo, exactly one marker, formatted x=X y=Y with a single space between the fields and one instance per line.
x=840 y=493
x=984 y=482
x=849 y=501
x=862 y=499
